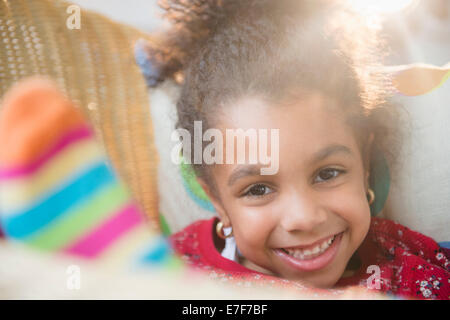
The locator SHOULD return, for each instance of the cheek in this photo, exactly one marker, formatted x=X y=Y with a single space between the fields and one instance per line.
x=251 y=227
x=352 y=206
x=348 y=201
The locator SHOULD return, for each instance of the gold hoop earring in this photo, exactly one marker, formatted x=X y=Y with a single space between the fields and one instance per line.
x=371 y=196
x=219 y=231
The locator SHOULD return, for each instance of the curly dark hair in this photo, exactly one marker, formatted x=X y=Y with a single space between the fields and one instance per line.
x=276 y=49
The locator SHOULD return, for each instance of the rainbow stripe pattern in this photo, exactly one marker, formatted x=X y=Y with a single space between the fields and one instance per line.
x=57 y=189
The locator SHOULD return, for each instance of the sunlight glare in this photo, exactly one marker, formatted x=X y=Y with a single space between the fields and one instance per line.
x=381 y=6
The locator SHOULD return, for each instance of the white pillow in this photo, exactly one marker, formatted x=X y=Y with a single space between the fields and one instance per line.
x=180 y=202
x=420 y=194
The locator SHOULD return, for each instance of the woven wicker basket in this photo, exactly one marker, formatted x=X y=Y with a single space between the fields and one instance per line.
x=95 y=67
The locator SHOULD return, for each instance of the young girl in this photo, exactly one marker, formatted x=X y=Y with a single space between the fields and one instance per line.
x=308 y=69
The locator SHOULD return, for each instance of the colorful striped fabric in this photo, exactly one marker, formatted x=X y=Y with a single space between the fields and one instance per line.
x=57 y=190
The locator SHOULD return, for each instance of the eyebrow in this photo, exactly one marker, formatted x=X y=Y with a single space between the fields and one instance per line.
x=254 y=170
x=243 y=171
x=330 y=150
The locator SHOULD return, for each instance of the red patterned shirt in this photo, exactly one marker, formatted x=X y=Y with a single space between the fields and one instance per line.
x=411 y=265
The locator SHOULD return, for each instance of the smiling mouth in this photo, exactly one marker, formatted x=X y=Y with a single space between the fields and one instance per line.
x=312 y=251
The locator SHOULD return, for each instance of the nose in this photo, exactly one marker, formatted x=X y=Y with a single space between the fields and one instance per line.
x=304 y=211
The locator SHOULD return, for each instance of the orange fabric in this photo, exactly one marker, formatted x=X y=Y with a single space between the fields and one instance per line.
x=25 y=123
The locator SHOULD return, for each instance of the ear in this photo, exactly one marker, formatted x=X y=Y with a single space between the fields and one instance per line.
x=367 y=156
x=216 y=202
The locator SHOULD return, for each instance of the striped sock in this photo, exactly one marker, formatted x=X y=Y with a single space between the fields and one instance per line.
x=57 y=190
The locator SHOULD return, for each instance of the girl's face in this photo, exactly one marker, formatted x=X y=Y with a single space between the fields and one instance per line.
x=306 y=221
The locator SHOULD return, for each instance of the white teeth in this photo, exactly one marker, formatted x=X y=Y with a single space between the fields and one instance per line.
x=308 y=253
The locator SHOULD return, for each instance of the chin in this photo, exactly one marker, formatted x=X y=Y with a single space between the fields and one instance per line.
x=322 y=282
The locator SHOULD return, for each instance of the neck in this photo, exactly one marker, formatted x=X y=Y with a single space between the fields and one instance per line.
x=353 y=265
x=250 y=265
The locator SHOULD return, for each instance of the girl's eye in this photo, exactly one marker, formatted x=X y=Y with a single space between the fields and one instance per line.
x=327 y=174
x=258 y=190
